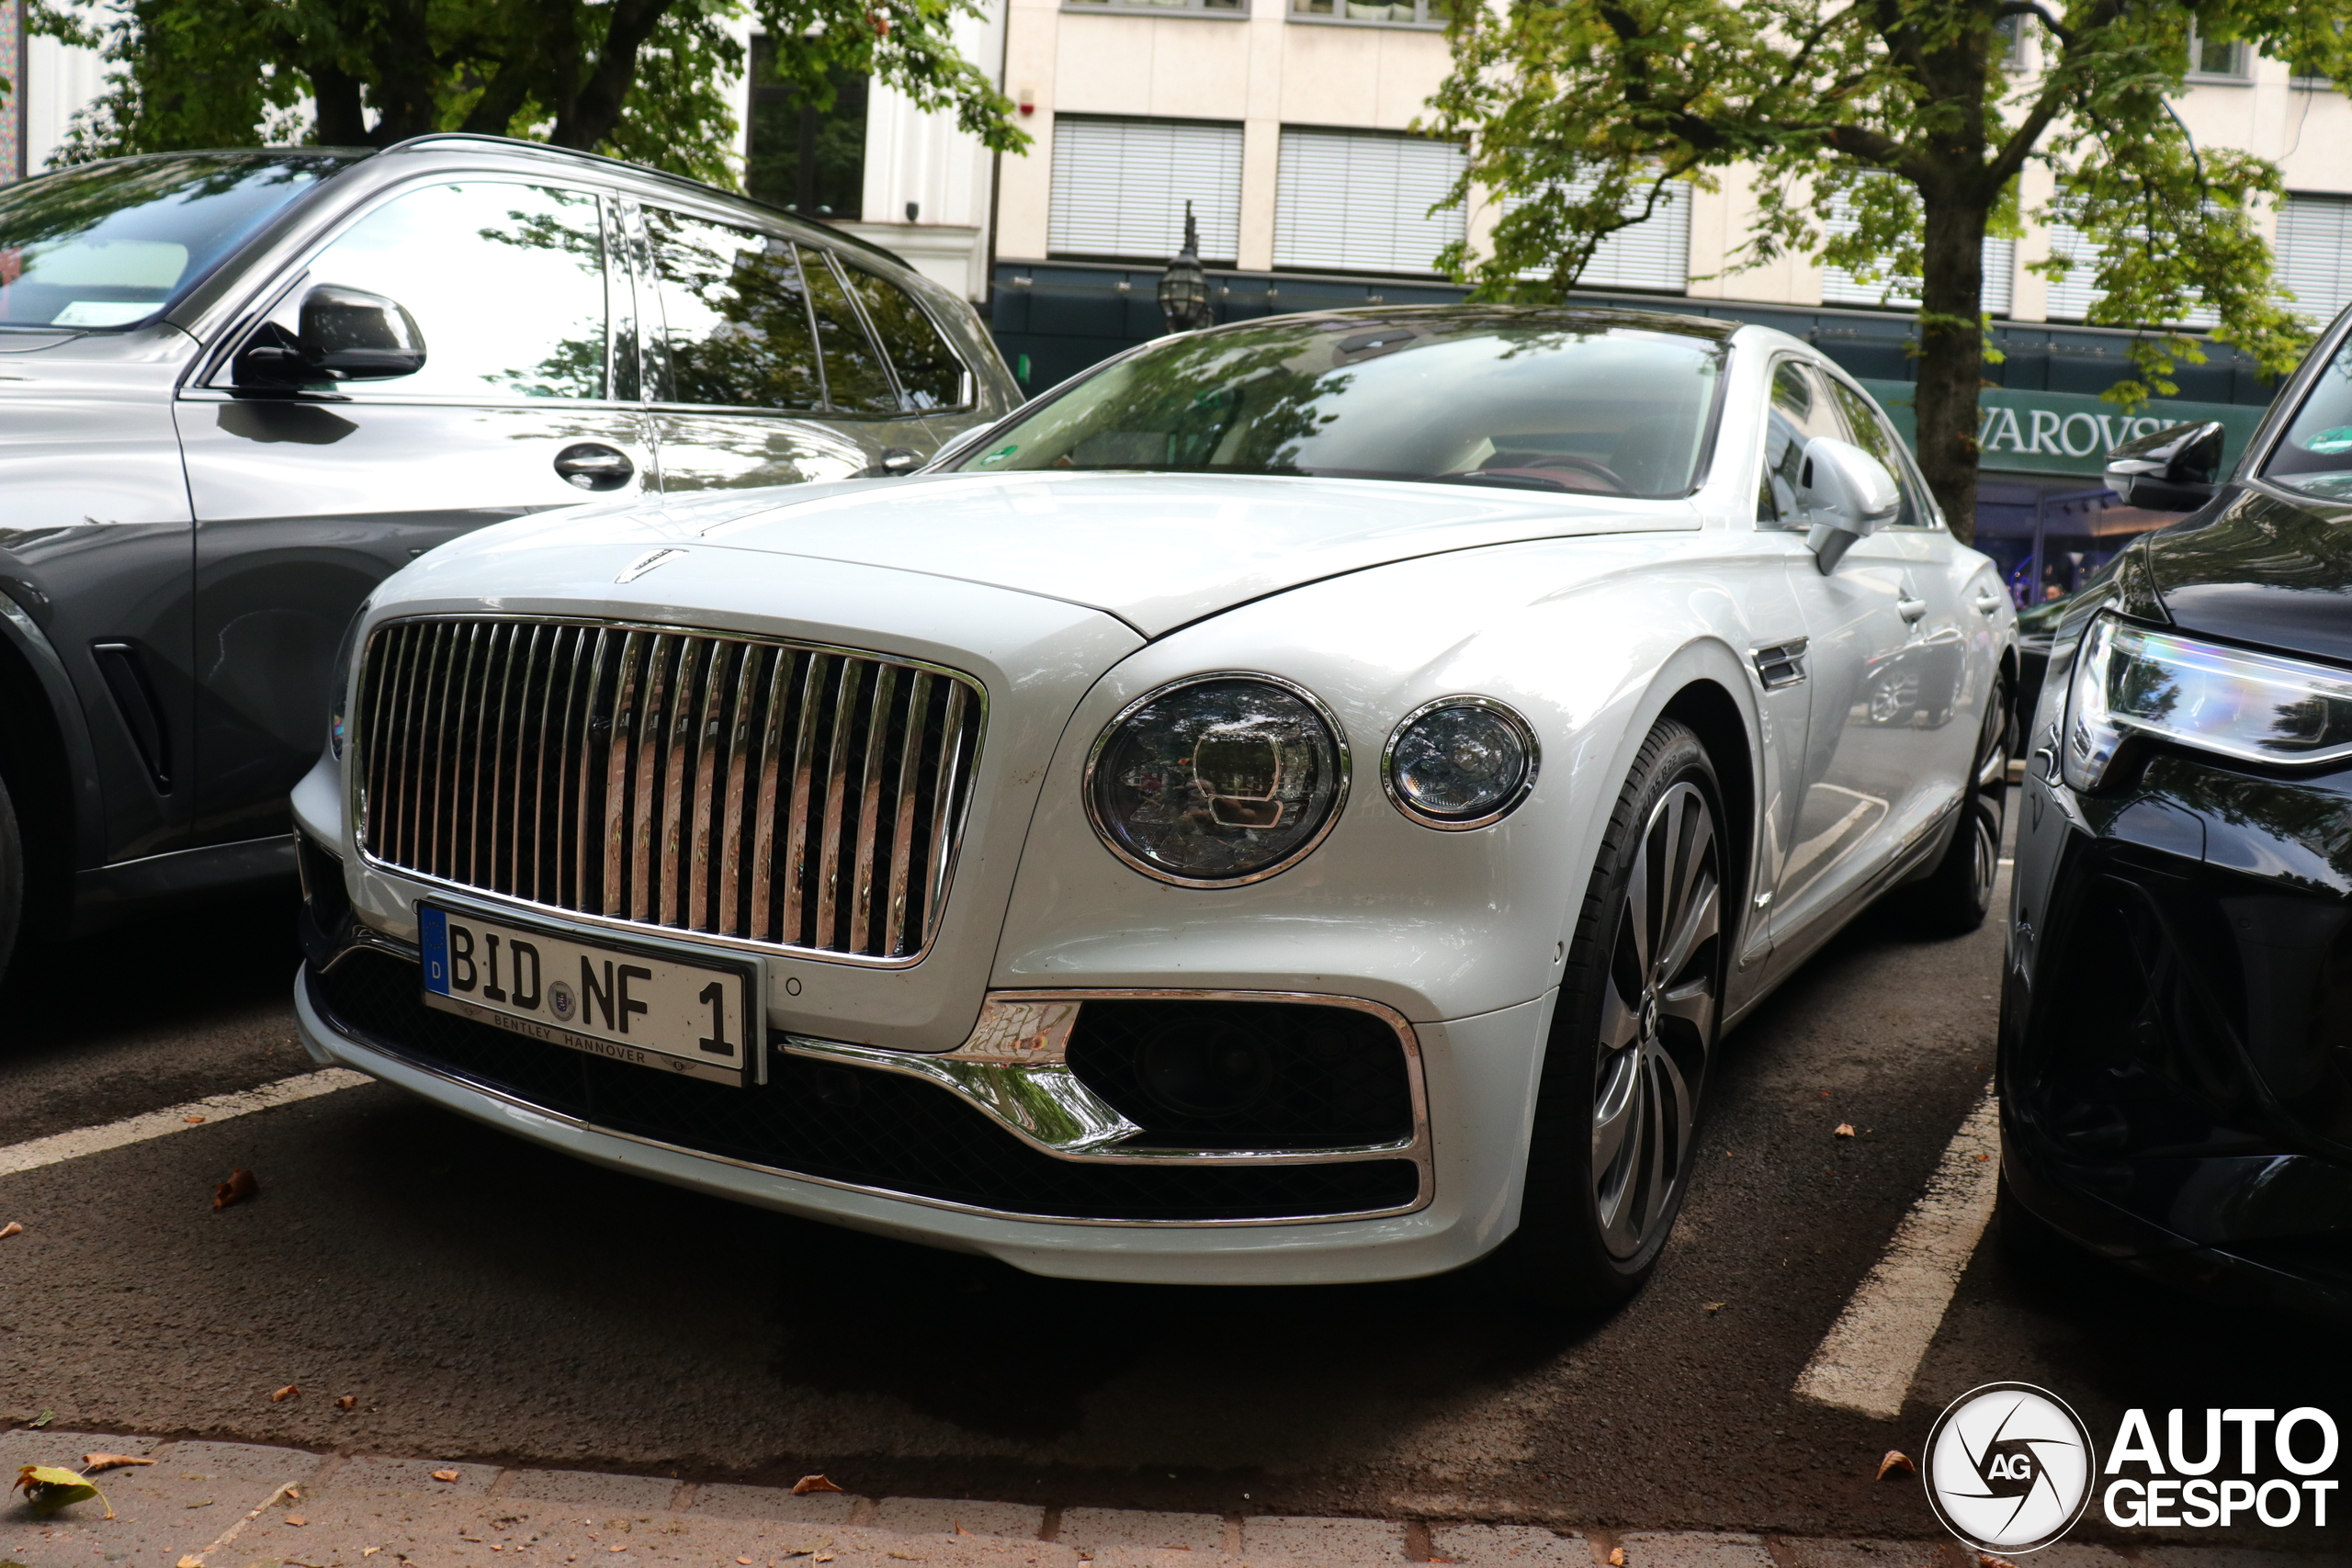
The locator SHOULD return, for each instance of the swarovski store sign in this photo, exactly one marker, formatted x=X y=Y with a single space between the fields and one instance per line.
x=2066 y=432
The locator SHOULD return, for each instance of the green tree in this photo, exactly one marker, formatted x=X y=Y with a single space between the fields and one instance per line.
x=1909 y=115
x=637 y=79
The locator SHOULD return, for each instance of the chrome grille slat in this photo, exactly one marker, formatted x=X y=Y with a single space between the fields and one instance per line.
x=759 y=791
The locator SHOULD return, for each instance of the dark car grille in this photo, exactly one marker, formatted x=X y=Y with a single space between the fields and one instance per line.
x=802 y=796
x=841 y=1123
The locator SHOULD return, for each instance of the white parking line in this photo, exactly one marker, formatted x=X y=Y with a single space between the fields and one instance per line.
x=38 y=1152
x=1871 y=1354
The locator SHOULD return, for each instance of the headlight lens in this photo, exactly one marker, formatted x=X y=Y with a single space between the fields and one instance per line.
x=2135 y=680
x=1218 y=780
x=339 y=703
x=1459 y=762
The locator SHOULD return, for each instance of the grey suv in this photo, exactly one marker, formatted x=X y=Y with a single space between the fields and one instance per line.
x=239 y=388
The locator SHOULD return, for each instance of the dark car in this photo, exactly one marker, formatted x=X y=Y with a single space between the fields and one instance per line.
x=2175 y=1067
x=239 y=388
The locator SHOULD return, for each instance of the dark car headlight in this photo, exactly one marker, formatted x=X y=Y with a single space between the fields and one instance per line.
x=2132 y=681
x=339 y=699
x=1218 y=780
x=1459 y=762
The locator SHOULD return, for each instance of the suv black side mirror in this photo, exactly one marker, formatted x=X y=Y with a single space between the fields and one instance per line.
x=2174 y=470
x=346 y=335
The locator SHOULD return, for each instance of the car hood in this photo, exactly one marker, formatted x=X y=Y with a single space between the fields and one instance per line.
x=2263 y=570
x=1159 y=551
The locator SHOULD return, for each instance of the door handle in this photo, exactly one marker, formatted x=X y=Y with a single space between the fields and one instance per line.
x=896 y=461
x=1913 y=611
x=1988 y=603
x=592 y=466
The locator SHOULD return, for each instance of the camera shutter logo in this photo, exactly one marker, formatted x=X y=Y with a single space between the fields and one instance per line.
x=2009 y=1467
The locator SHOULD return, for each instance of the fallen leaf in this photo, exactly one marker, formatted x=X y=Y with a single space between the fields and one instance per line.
x=808 y=1483
x=822 y=1557
x=617 y=1549
x=296 y=1521
x=1896 y=1459
x=191 y=1562
x=1616 y=1557
x=93 y=1463
x=959 y=1527
x=11 y=1228
x=240 y=1186
x=1844 y=1129
x=1715 y=1306
x=43 y=1419
x=911 y=1557
x=744 y=1562
x=46 y=1489
x=348 y=1401
x=369 y=1551
x=445 y=1475
x=191 y=1121
x=283 y=1395
x=1989 y=1561
x=1981 y=1158
x=206 y=1504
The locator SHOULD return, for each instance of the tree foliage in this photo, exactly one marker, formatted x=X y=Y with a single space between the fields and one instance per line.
x=637 y=79
x=1913 y=120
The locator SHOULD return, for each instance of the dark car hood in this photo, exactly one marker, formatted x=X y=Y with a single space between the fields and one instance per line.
x=2262 y=569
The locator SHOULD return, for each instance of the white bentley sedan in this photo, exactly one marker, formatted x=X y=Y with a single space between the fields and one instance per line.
x=1302 y=802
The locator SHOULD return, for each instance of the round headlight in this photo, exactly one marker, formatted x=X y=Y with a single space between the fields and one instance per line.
x=1217 y=780
x=1459 y=762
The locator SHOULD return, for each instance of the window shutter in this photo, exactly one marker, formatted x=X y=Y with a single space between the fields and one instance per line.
x=1652 y=255
x=1120 y=185
x=1359 y=202
x=2314 y=253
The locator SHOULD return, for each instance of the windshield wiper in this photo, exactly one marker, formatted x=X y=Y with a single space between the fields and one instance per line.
x=1509 y=482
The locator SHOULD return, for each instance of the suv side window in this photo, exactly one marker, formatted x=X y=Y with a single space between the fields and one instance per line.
x=1801 y=409
x=733 y=318
x=506 y=283
x=929 y=373
x=856 y=376
x=1874 y=435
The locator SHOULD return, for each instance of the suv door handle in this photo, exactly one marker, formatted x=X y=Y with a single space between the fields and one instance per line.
x=1912 y=610
x=1988 y=603
x=591 y=465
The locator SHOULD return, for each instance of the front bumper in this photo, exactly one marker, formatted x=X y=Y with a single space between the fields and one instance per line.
x=2177 y=1027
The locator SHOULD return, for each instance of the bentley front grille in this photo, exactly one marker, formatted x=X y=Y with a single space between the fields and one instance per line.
x=765 y=791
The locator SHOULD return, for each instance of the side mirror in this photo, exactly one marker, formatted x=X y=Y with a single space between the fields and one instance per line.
x=346 y=335
x=2175 y=469
x=896 y=462
x=1843 y=494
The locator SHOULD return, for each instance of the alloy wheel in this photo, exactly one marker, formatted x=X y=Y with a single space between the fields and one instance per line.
x=1657 y=1021
x=1986 y=804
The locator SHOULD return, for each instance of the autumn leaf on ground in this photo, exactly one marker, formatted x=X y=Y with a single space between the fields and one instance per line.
x=192 y=1120
x=283 y=1395
x=445 y=1475
x=296 y=1521
x=240 y=1186
x=1844 y=1129
x=93 y=1463
x=1715 y=1306
x=43 y=1419
x=46 y=1489
x=1616 y=1557
x=1987 y=1560
x=808 y=1483
x=348 y=1401
x=11 y=1228
x=1896 y=1459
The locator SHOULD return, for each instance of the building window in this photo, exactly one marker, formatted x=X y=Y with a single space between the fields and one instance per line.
x=2008 y=43
x=798 y=156
x=1840 y=286
x=2215 y=59
x=1120 y=186
x=1400 y=13
x=1212 y=7
x=2314 y=253
x=1652 y=255
x=1359 y=202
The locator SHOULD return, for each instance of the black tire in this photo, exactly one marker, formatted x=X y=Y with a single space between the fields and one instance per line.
x=1955 y=898
x=12 y=878
x=1632 y=1039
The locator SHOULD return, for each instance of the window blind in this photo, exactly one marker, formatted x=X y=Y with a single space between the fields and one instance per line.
x=1120 y=185
x=1359 y=202
x=2314 y=253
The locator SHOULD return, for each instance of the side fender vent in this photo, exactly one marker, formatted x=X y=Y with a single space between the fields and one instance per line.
x=142 y=714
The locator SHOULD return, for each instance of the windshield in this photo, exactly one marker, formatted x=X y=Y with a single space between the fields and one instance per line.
x=112 y=243
x=1520 y=399
x=2315 y=455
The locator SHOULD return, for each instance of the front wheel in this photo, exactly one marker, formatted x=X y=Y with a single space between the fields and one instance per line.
x=1955 y=898
x=1618 y=1105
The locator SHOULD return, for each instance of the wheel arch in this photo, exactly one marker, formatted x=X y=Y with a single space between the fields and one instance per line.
x=1715 y=717
x=42 y=751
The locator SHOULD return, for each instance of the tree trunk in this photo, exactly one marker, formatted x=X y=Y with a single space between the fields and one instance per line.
x=1952 y=354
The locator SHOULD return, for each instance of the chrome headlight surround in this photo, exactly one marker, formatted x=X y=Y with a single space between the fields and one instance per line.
x=2138 y=683
x=1487 y=815
x=1337 y=757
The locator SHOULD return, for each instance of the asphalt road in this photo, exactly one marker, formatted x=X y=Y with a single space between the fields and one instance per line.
x=486 y=1300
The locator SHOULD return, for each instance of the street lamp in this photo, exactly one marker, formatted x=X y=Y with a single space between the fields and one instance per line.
x=1184 y=288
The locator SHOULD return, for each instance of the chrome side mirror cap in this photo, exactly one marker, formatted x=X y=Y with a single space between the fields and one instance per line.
x=2178 y=469
x=1843 y=494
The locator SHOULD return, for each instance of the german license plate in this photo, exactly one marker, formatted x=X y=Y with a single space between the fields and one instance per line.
x=627 y=1003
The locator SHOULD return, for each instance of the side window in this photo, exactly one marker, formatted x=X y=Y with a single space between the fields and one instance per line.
x=929 y=372
x=506 y=283
x=734 y=318
x=855 y=373
x=1801 y=409
x=1874 y=435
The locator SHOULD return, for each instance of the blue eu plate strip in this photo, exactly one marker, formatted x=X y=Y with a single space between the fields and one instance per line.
x=433 y=930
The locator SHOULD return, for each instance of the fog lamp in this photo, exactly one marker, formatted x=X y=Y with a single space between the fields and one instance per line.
x=1459 y=762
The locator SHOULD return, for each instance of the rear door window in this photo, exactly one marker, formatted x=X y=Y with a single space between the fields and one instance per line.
x=735 y=321
x=930 y=375
x=856 y=376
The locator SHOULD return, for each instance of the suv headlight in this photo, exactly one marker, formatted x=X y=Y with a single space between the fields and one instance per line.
x=1218 y=780
x=339 y=701
x=2132 y=680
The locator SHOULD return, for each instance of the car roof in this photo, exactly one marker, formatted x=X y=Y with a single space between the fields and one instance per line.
x=1587 y=316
